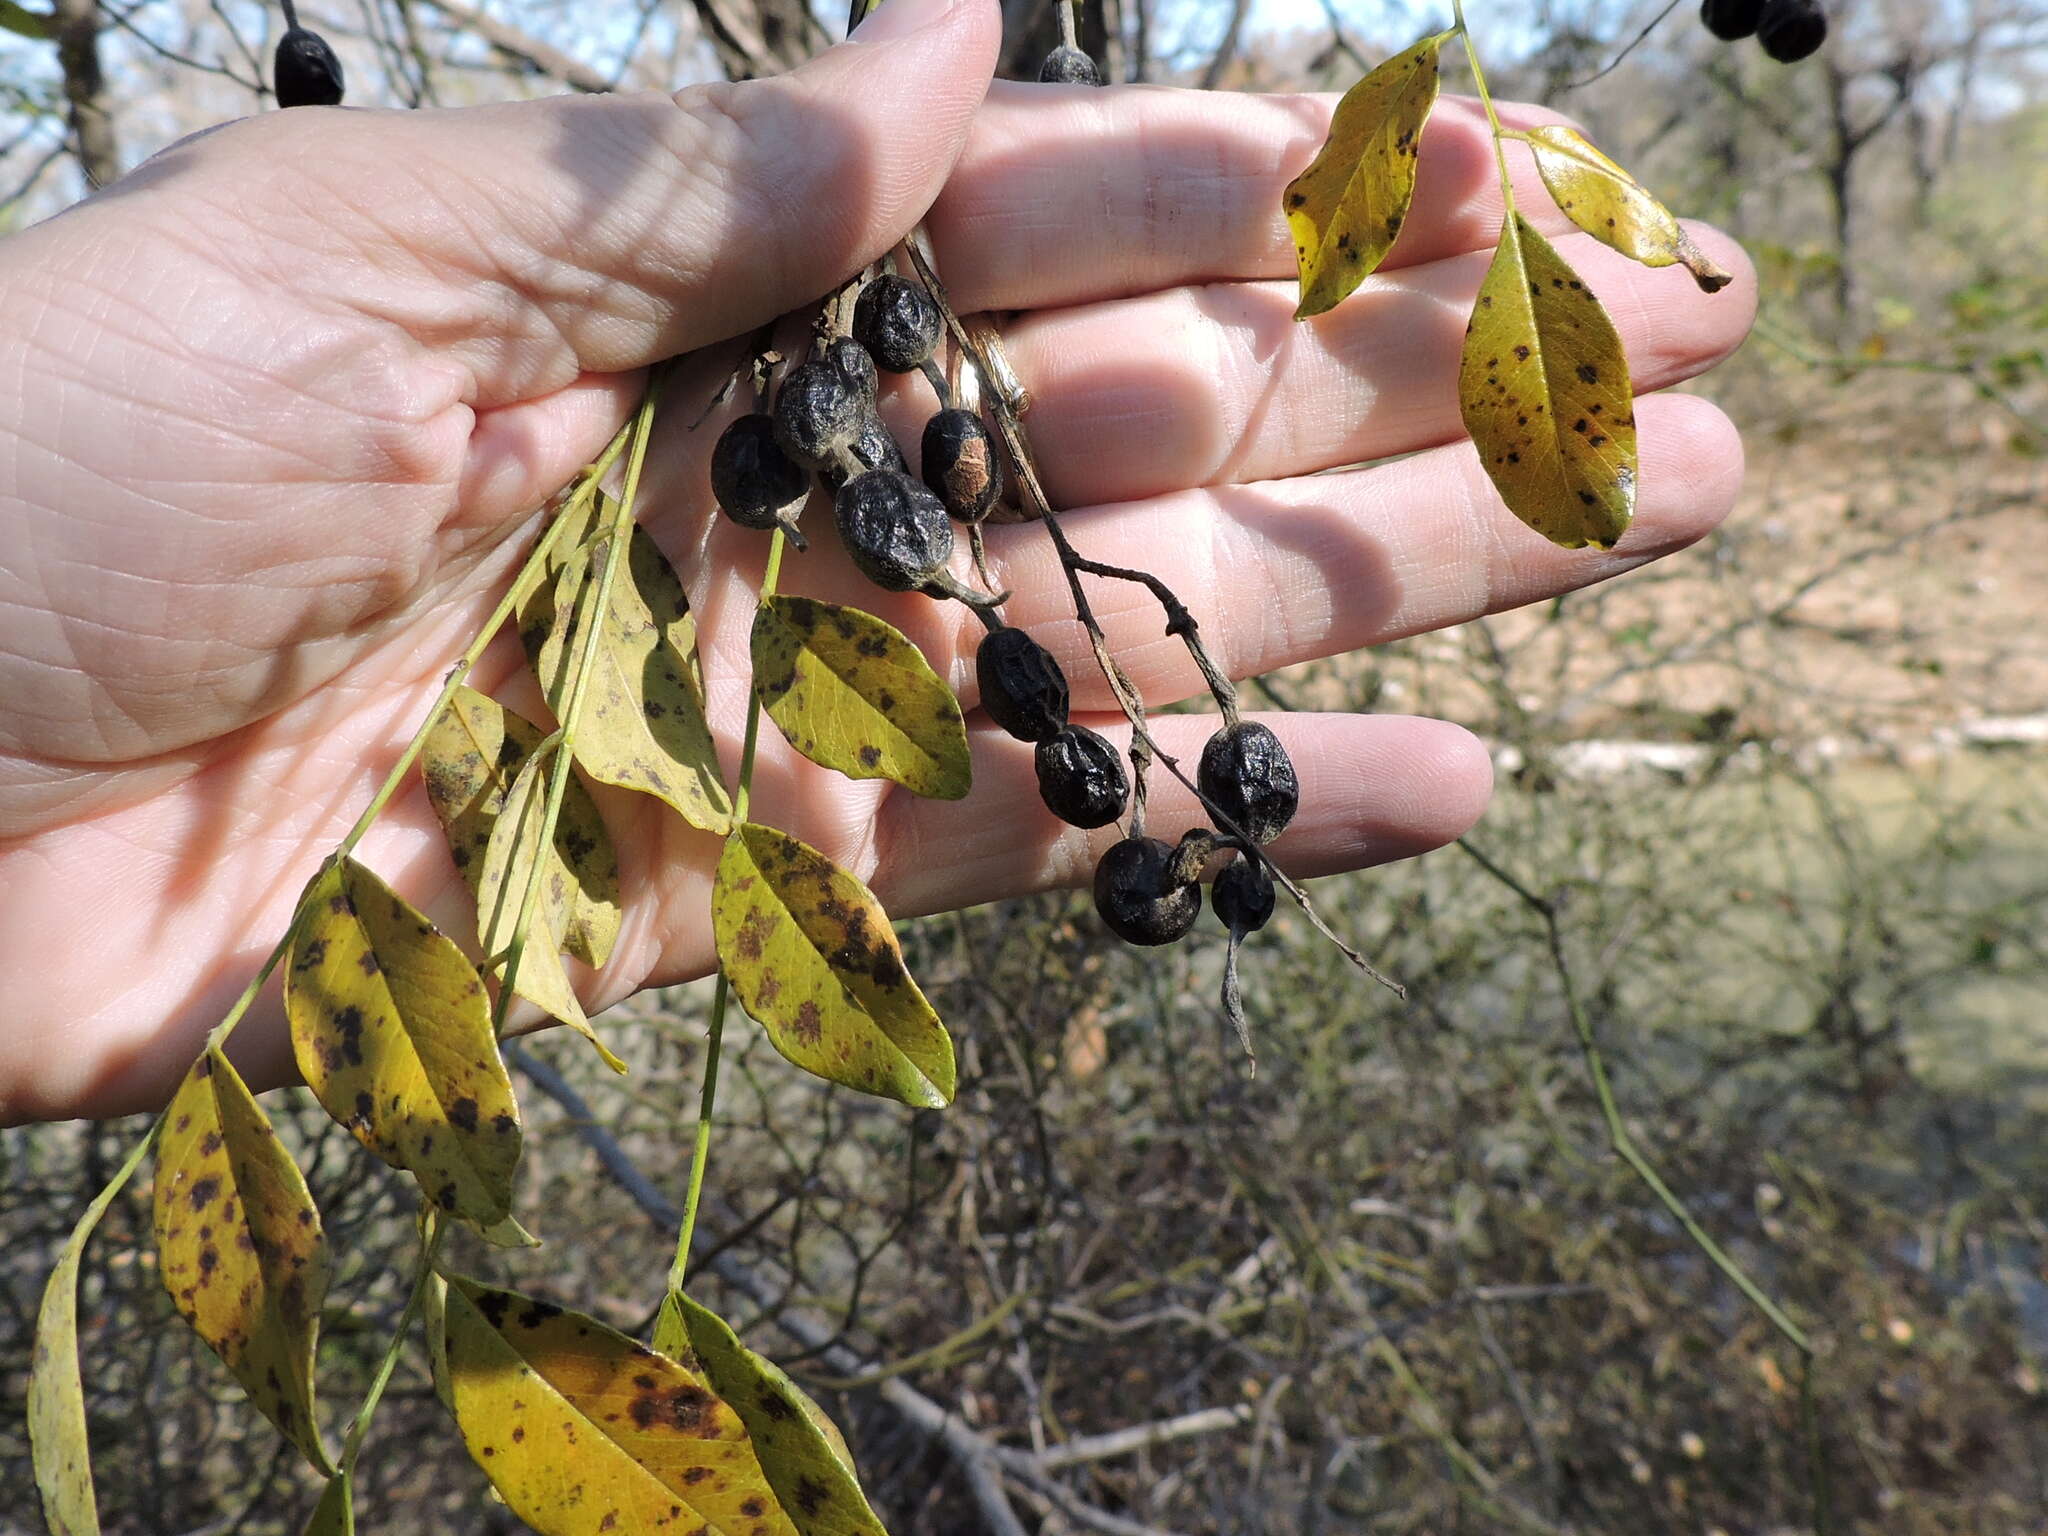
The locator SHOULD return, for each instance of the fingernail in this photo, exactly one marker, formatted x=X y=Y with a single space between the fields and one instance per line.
x=891 y=19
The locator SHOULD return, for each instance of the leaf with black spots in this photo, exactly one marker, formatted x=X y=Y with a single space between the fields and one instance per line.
x=800 y=1449
x=809 y=952
x=240 y=1247
x=392 y=1032
x=1347 y=208
x=1614 y=208
x=1543 y=386
x=584 y=1431
x=851 y=693
x=642 y=725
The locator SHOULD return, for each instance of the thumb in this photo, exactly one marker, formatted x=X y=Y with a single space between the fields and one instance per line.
x=534 y=240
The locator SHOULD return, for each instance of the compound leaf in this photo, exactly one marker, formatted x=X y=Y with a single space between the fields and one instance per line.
x=335 y=1514
x=809 y=952
x=642 y=725
x=393 y=1035
x=1544 y=390
x=1345 y=210
x=851 y=693
x=469 y=761
x=240 y=1247
x=1614 y=208
x=583 y=1430
x=801 y=1450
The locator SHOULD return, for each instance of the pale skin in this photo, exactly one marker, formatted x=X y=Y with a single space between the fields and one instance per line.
x=283 y=403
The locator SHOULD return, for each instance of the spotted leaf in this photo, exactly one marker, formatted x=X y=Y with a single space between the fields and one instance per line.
x=392 y=1032
x=239 y=1245
x=1346 y=209
x=584 y=1431
x=642 y=725
x=469 y=761
x=1614 y=208
x=809 y=952
x=850 y=692
x=1544 y=389
x=801 y=1450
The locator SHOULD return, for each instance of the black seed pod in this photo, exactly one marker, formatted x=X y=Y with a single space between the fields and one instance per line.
x=1243 y=895
x=853 y=363
x=896 y=320
x=1246 y=772
x=756 y=483
x=894 y=529
x=817 y=413
x=1138 y=896
x=1022 y=687
x=1081 y=777
x=1731 y=20
x=961 y=465
x=304 y=71
x=1791 y=29
x=1068 y=66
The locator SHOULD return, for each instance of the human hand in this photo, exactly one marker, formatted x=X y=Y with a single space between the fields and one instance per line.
x=286 y=398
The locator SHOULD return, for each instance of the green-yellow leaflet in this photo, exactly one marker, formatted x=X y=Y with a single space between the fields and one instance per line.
x=469 y=760
x=585 y=1431
x=850 y=692
x=809 y=952
x=1612 y=206
x=239 y=1245
x=642 y=725
x=1544 y=390
x=1346 y=208
x=56 y=1392
x=393 y=1034
x=335 y=1514
x=801 y=1450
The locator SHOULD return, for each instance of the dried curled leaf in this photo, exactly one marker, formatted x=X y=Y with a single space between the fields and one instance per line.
x=1614 y=208
x=851 y=693
x=335 y=1514
x=583 y=1430
x=1346 y=209
x=393 y=1035
x=469 y=761
x=240 y=1247
x=1543 y=386
x=642 y=725
x=801 y=1450
x=810 y=953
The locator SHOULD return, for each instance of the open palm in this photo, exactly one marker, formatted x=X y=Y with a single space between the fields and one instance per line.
x=293 y=390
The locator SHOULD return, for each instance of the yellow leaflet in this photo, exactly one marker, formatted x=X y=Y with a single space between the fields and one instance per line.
x=584 y=1431
x=469 y=760
x=335 y=1514
x=642 y=725
x=392 y=1031
x=239 y=1245
x=1613 y=207
x=1544 y=389
x=809 y=952
x=851 y=693
x=1346 y=209
x=800 y=1448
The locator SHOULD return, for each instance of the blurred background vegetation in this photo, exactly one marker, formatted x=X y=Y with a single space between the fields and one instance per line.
x=1783 y=796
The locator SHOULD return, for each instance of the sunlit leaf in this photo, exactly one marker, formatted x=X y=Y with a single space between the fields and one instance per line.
x=850 y=692
x=800 y=1449
x=810 y=953
x=335 y=1514
x=1613 y=207
x=240 y=1247
x=642 y=725
x=1544 y=389
x=56 y=1390
x=1346 y=209
x=583 y=1430
x=469 y=760
x=393 y=1034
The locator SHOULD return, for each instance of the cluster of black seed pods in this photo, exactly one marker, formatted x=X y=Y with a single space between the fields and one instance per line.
x=1787 y=30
